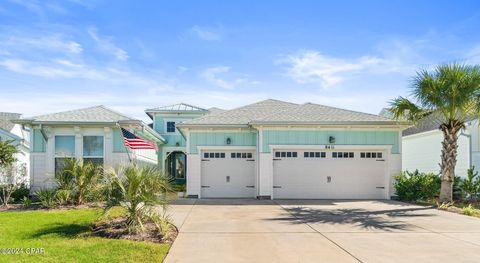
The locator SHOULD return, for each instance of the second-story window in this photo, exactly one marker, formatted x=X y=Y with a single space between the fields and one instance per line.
x=170 y=126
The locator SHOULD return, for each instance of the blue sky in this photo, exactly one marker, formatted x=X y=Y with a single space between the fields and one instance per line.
x=132 y=55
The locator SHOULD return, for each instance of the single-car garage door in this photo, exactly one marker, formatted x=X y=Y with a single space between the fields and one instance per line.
x=228 y=174
x=317 y=174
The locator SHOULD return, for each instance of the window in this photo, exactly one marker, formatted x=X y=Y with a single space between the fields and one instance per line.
x=286 y=154
x=170 y=126
x=343 y=155
x=93 y=149
x=372 y=155
x=314 y=154
x=64 y=149
x=215 y=155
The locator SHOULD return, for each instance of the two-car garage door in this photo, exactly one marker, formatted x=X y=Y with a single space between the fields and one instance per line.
x=228 y=174
x=317 y=174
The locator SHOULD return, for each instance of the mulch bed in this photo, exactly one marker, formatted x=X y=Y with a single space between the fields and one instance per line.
x=115 y=228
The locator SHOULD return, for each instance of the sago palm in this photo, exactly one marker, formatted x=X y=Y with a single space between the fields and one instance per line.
x=139 y=190
x=452 y=92
x=83 y=178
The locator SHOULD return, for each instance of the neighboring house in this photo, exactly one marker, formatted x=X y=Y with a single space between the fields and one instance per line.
x=18 y=136
x=422 y=146
x=92 y=134
x=276 y=149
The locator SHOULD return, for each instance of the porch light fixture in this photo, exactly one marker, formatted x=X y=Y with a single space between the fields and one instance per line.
x=177 y=144
x=229 y=141
x=331 y=139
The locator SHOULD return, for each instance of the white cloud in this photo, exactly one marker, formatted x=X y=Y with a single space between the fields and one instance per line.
x=218 y=75
x=309 y=66
x=52 y=43
x=106 y=44
x=207 y=33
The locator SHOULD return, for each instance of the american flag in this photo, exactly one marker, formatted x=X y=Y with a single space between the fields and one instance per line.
x=133 y=142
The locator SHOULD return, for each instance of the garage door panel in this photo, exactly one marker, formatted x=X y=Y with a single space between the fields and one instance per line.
x=231 y=175
x=310 y=177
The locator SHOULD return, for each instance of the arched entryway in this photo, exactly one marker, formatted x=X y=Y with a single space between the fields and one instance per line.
x=176 y=165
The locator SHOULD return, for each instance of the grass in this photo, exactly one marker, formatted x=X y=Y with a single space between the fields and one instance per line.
x=65 y=237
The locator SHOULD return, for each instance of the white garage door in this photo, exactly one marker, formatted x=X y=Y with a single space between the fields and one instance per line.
x=314 y=174
x=228 y=174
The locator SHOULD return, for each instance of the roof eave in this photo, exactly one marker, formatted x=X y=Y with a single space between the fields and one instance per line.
x=346 y=123
x=186 y=125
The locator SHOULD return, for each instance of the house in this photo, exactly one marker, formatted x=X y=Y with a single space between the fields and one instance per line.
x=269 y=149
x=422 y=146
x=20 y=137
x=276 y=149
x=93 y=134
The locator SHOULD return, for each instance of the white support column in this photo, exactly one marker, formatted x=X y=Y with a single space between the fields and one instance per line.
x=108 y=147
x=78 y=143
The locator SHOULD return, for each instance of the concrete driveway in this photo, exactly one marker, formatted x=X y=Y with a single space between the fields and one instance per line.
x=320 y=231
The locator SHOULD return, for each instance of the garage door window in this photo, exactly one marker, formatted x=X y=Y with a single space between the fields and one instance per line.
x=208 y=155
x=241 y=155
x=286 y=154
x=343 y=155
x=371 y=155
x=314 y=154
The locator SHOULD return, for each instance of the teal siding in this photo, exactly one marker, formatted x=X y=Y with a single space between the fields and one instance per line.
x=173 y=139
x=246 y=138
x=118 y=146
x=38 y=142
x=296 y=137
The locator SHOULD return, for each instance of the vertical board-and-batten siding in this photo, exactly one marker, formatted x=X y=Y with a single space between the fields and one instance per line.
x=302 y=137
x=241 y=138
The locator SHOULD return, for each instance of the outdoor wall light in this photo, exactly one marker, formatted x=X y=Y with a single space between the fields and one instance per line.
x=177 y=144
x=331 y=139
x=229 y=141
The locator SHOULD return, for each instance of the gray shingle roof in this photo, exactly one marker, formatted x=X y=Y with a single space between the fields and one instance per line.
x=243 y=115
x=5 y=118
x=280 y=112
x=96 y=114
x=316 y=113
x=176 y=107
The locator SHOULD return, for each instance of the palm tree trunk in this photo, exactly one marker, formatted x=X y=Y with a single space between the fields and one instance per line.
x=449 y=160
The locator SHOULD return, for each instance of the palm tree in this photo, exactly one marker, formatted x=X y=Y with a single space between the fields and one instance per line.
x=451 y=91
x=139 y=190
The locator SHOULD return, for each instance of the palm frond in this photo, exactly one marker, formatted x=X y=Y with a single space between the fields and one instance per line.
x=403 y=109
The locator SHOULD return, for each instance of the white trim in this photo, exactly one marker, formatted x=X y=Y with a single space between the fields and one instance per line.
x=335 y=147
x=331 y=128
x=225 y=148
x=221 y=130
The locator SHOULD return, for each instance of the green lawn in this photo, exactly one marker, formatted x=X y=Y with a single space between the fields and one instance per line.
x=65 y=237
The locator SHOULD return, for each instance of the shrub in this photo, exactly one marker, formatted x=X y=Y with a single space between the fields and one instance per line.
x=63 y=196
x=180 y=188
x=417 y=186
x=47 y=197
x=470 y=186
x=139 y=190
x=19 y=194
x=470 y=211
x=26 y=201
